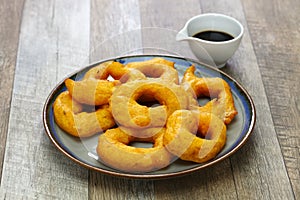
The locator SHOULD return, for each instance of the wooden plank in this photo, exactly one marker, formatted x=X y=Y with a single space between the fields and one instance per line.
x=122 y=37
x=10 y=18
x=115 y=29
x=276 y=38
x=161 y=21
x=216 y=182
x=258 y=168
x=104 y=187
x=54 y=35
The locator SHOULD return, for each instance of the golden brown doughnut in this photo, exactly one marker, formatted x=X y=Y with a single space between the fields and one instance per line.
x=100 y=71
x=158 y=70
x=70 y=117
x=154 y=68
x=123 y=74
x=114 y=150
x=94 y=88
x=222 y=103
x=91 y=91
x=114 y=69
x=156 y=60
x=128 y=112
x=181 y=138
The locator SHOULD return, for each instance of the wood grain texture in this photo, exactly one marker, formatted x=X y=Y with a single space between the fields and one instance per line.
x=276 y=38
x=10 y=19
x=122 y=36
x=34 y=168
x=115 y=29
x=161 y=21
x=259 y=170
x=104 y=187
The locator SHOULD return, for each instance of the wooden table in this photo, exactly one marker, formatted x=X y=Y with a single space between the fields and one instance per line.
x=42 y=41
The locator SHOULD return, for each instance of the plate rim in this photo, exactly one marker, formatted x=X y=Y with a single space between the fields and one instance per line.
x=46 y=124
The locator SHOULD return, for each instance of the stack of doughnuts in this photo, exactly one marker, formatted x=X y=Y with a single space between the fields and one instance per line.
x=145 y=102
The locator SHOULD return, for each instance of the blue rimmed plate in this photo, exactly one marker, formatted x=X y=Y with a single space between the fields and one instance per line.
x=83 y=151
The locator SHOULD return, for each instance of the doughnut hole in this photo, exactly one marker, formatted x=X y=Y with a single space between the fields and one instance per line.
x=203 y=100
x=148 y=100
x=140 y=144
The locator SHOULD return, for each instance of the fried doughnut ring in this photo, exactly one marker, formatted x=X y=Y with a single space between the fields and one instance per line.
x=100 y=71
x=94 y=88
x=114 y=69
x=156 y=60
x=154 y=68
x=114 y=151
x=157 y=70
x=180 y=137
x=128 y=112
x=123 y=74
x=91 y=91
x=69 y=116
x=222 y=105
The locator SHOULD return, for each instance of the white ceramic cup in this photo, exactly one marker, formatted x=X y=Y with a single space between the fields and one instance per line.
x=212 y=52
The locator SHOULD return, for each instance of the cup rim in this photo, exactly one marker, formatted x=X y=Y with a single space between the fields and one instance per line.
x=238 y=37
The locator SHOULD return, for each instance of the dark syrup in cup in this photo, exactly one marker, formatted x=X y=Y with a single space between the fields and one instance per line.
x=214 y=36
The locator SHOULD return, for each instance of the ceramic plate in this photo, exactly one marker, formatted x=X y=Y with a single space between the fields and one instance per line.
x=83 y=151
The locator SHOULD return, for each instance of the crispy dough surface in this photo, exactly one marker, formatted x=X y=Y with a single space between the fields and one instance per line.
x=114 y=150
x=222 y=103
x=181 y=135
x=69 y=117
x=128 y=112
